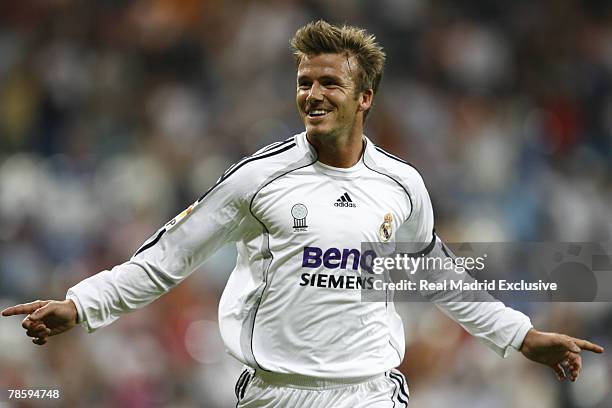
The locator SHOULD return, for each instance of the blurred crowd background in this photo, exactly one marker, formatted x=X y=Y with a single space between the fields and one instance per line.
x=116 y=115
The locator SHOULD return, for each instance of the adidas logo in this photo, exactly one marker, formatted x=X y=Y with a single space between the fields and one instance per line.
x=345 y=201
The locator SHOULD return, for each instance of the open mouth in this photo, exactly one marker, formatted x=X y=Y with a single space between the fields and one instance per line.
x=317 y=113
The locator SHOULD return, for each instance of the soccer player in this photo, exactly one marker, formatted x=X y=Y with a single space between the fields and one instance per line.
x=298 y=211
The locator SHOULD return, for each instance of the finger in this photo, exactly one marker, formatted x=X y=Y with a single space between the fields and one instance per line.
x=33 y=330
x=24 y=308
x=40 y=341
x=39 y=331
x=587 y=345
x=559 y=372
x=29 y=324
x=574 y=366
x=26 y=323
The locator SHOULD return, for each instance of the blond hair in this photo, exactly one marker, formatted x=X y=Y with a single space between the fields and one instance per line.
x=320 y=37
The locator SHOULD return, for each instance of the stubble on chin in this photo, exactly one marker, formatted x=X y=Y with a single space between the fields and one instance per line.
x=321 y=135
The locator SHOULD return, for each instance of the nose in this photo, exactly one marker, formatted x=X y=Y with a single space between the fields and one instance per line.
x=315 y=93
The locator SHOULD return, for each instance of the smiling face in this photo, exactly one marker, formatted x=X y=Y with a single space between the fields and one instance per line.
x=327 y=98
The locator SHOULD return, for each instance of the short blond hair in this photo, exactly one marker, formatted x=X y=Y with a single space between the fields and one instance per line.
x=320 y=37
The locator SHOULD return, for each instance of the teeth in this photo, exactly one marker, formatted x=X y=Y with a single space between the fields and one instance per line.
x=317 y=112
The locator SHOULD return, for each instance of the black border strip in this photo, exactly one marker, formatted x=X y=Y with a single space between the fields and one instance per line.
x=390 y=342
x=150 y=244
x=402 y=384
x=221 y=179
x=239 y=383
x=398 y=395
x=427 y=249
x=263 y=292
x=277 y=144
x=394 y=157
x=398 y=183
x=387 y=375
x=245 y=385
x=251 y=159
x=258 y=153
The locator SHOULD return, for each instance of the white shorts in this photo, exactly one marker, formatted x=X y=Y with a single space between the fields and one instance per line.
x=260 y=389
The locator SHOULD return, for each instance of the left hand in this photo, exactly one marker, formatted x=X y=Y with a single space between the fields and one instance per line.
x=558 y=351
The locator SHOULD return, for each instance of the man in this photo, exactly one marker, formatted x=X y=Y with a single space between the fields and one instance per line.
x=298 y=211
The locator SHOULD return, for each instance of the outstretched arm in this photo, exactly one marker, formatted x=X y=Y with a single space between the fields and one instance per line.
x=500 y=327
x=160 y=264
x=558 y=351
x=45 y=318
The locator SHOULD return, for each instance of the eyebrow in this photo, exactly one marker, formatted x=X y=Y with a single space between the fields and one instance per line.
x=321 y=78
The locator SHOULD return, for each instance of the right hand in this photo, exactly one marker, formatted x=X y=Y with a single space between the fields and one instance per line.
x=45 y=318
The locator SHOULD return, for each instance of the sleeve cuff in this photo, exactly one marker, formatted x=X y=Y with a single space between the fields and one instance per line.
x=79 y=308
x=517 y=341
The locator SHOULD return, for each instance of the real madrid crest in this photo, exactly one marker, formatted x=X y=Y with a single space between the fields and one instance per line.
x=386 y=228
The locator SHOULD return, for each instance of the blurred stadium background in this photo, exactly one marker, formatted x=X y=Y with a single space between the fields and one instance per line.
x=116 y=115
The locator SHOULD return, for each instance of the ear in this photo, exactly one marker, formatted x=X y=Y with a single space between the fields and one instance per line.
x=365 y=100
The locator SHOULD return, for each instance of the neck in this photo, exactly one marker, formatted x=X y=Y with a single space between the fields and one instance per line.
x=338 y=151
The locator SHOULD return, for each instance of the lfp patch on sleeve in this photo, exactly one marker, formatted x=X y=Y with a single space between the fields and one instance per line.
x=183 y=215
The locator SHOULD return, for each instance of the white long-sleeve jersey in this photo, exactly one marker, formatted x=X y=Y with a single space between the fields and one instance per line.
x=293 y=302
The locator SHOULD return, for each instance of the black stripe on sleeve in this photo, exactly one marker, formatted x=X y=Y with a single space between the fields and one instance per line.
x=266 y=149
x=391 y=156
x=398 y=183
x=394 y=157
x=251 y=159
x=254 y=158
x=223 y=178
x=150 y=244
x=277 y=144
x=427 y=249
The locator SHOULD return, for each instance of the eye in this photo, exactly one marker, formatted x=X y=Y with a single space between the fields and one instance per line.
x=330 y=83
